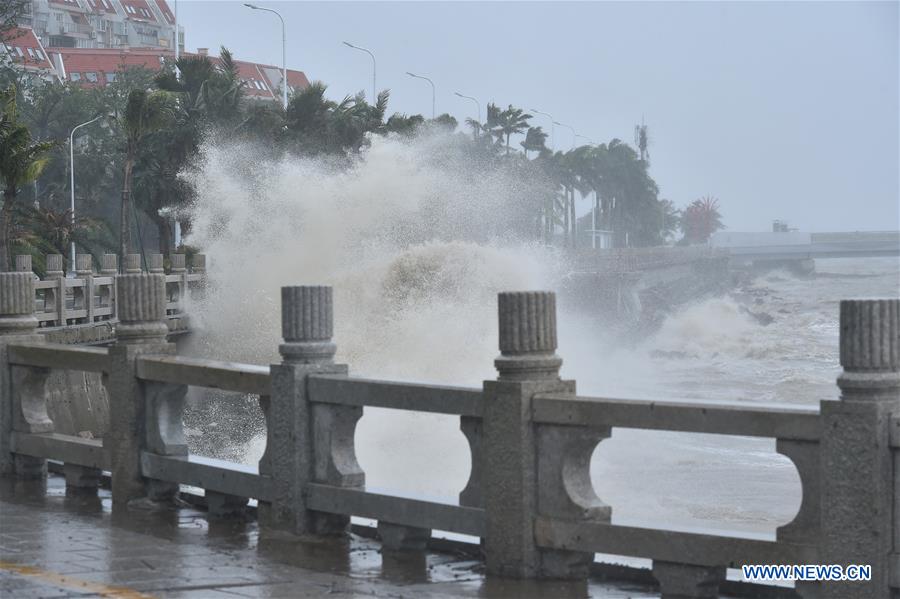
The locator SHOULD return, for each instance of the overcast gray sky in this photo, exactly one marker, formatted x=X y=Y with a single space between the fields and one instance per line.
x=781 y=110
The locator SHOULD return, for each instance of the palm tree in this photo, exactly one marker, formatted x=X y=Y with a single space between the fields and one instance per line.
x=508 y=122
x=535 y=139
x=211 y=92
x=145 y=113
x=21 y=161
x=701 y=219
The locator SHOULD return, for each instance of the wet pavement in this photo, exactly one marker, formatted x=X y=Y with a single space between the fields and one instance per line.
x=59 y=544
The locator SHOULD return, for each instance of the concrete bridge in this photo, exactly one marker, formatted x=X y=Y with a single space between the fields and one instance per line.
x=529 y=499
x=800 y=249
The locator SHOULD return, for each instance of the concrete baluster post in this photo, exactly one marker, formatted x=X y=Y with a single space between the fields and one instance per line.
x=178 y=289
x=527 y=365
x=141 y=330
x=54 y=264
x=307 y=442
x=23 y=263
x=155 y=263
x=109 y=267
x=22 y=390
x=132 y=264
x=859 y=488
x=57 y=295
x=198 y=267
x=84 y=269
x=198 y=264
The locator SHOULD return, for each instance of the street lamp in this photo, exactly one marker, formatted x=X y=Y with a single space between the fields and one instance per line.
x=432 y=90
x=574 y=135
x=587 y=139
x=477 y=103
x=284 y=80
x=552 y=128
x=72 y=182
x=349 y=45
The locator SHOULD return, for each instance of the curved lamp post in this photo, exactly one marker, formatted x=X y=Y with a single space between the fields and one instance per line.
x=572 y=129
x=284 y=80
x=432 y=90
x=369 y=52
x=72 y=181
x=477 y=103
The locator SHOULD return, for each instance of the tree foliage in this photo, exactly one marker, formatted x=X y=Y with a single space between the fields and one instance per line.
x=701 y=219
x=130 y=163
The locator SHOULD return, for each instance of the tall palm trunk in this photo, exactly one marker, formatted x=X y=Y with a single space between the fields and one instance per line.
x=165 y=234
x=124 y=224
x=574 y=220
x=9 y=198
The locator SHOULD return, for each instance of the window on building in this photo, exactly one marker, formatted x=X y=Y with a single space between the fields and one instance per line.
x=110 y=77
x=31 y=53
x=91 y=76
x=75 y=76
x=19 y=52
x=38 y=54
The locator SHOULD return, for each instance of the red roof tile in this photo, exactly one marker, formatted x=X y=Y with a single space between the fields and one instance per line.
x=110 y=60
x=166 y=11
x=24 y=47
x=68 y=3
x=138 y=10
x=102 y=6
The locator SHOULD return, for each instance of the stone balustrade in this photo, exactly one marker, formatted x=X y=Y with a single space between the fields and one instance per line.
x=529 y=496
x=75 y=309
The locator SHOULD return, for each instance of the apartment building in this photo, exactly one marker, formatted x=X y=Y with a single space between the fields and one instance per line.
x=103 y=23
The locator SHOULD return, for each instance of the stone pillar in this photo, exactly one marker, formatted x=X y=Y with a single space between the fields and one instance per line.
x=307 y=442
x=56 y=296
x=54 y=267
x=198 y=267
x=155 y=263
x=132 y=264
x=109 y=266
x=198 y=263
x=22 y=410
x=527 y=365
x=84 y=265
x=177 y=264
x=84 y=269
x=858 y=485
x=23 y=263
x=178 y=267
x=141 y=330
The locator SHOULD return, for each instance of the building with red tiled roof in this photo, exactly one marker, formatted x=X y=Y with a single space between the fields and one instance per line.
x=99 y=67
x=90 y=41
x=24 y=48
x=102 y=23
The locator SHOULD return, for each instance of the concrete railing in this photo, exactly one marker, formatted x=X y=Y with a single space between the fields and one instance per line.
x=529 y=496
x=90 y=297
x=628 y=260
